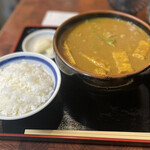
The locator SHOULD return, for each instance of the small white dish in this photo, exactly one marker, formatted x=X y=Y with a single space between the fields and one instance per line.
x=34 y=58
x=34 y=42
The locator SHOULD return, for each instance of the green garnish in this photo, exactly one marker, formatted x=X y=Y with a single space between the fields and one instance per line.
x=100 y=37
x=111 y=42
x=103 y=38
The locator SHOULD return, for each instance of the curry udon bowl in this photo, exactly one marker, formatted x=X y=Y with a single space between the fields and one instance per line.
x=69 y=62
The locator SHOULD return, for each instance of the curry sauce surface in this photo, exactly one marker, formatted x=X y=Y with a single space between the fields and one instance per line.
x=98 y=39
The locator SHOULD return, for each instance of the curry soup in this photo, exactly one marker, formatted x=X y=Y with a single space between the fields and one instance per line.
x=106 y=46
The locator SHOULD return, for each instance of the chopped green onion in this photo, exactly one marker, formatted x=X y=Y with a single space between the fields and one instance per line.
x=100 y=37
x=111 y=42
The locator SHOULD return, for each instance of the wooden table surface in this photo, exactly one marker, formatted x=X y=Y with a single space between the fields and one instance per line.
x=31 y=12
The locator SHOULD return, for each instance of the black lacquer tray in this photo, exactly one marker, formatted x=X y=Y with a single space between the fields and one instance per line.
x=125 y=111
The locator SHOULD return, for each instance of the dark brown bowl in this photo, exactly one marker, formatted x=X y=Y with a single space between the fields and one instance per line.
x=102 y=82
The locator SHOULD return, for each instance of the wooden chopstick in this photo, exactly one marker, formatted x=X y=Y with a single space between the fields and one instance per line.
x=96 y=134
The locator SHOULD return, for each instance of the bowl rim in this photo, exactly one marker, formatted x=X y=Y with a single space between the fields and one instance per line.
x=55 y=67
x=79 y=71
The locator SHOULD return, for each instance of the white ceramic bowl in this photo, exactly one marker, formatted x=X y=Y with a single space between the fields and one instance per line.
x=30 y=40
x=34 y=58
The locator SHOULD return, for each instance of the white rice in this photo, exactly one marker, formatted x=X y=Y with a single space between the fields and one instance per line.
x=23 y=88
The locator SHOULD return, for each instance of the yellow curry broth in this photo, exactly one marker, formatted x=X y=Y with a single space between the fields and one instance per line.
x=92 y=43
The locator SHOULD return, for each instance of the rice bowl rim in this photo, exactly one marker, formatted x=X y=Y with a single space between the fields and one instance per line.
x=41 y=60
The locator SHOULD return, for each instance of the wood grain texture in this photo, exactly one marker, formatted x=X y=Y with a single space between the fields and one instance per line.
x=9 y=145
x=25 y=145
x=31 y=12
x=33 y=146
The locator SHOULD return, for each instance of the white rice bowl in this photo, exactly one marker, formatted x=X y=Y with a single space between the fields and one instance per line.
x=28 y=83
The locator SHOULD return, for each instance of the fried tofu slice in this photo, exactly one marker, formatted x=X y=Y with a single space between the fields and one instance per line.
x=97 y=62
x=141 y=50
x=122 y=61
x=99 y=71
x=68 y=54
